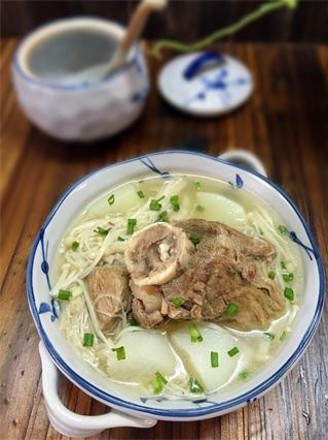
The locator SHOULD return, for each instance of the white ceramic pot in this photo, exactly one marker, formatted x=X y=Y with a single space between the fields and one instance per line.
x=78 y=112
x=131 y=410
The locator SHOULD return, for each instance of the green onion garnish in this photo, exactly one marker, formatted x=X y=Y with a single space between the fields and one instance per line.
x=140 y=194
x=64 y=294
x=177 y=302
x=133 y=322
x=195 y=334
x=198 y=184
x=174 y=200
x=163 y=217
x=88 y=340
x=160 y=377
x=283 y=265
x=111 y=199
x=289 y=293
x=282 y=229
x=214 y=359
x=233 y=351
x=155 y=205
x=231 y=309
x=195 y=386
x=269 y=335
x=159 y=383
x=200 y=208
x=232 y=272
x=288 y=277
x=244 y=374
x=131 y=225
x=272 y=275
x=101 y=231
x=283 y=336
x=120 y=353
x=195 y=238
x=119 y=238
x=75 y=245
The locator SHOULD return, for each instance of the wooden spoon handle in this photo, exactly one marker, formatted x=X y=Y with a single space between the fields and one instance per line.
x=138 y=21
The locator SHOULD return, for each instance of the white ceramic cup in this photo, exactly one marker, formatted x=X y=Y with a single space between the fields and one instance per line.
x=80 y=111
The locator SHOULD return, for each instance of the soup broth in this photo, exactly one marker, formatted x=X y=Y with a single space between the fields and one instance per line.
x=180 y=358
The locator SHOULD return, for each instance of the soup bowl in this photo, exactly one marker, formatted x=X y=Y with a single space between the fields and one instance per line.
x=47 y=61
x=141 y=411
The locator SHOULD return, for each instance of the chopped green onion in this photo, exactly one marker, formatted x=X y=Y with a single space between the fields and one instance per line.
x=75 y=245
x=131 y=225
x=120 y=353
x=214 y=359
x=198 y=184
x=195 y=386
x=160 y=377
x=233 y=351
x=120 y=238
x=283 y=336
x=155 y=205
x=101 y=231
x=133 y=322
x=272 y=275
x=64 y=294
x=140 y=194
x=200 y=208
x=231 y=309
x=111 y=199
x=159 y=383
x=163 y=217
x=88 y=340
x=195 y=334
x=282 y=229
x=195 y=238
x=269 y=335
x=288 y=277
x=174 y=200
x=289 y=293
x=283 y=265
x=244 y=374
x=232 y=272
x=177 y=302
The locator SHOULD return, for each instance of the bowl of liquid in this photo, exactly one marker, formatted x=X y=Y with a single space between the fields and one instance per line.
x=173 y=286
x=46 y=70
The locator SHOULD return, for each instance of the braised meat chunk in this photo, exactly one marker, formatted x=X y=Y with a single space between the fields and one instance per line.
x=109 y=293
x=223 y=279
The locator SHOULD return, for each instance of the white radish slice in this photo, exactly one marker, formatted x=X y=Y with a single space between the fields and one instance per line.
x=146 y=352
x=122 y=200
x=196 y=356
x=219 y=208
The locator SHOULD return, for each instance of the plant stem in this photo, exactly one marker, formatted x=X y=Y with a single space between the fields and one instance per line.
x=233 y=28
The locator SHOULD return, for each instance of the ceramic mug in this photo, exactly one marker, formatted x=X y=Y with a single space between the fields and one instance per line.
x=80 y=111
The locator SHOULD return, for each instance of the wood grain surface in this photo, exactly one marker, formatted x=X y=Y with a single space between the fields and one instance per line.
x=284 y=123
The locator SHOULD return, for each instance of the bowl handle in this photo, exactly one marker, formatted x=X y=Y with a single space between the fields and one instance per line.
x=70 y=424
x=245 y=159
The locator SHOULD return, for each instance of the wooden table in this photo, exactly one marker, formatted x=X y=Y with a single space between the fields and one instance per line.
x=283 y=123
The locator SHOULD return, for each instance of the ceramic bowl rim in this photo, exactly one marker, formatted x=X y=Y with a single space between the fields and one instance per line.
x=182 y=414
x=16 y=67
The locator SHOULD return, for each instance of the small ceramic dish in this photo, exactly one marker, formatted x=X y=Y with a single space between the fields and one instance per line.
x=205 y=84
x=81 y=111
x=135 y=410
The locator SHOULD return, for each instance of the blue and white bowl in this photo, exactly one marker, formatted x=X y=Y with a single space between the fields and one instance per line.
x=135 y=410
x=81 y=111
